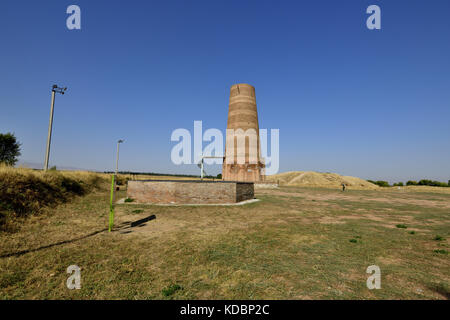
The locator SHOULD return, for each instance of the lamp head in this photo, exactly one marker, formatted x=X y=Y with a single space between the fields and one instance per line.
x=58 y=90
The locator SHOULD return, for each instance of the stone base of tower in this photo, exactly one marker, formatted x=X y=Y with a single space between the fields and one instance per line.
x=242 y=172
x=189 y=191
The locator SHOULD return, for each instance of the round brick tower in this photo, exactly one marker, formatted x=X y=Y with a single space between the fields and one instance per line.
x=242 y=161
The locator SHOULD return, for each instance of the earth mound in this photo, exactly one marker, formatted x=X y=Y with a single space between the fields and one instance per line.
x=319 y=179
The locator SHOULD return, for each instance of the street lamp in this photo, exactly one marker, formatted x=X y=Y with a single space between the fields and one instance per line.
x=55 y=89
x=117 y=169
x=117 y=160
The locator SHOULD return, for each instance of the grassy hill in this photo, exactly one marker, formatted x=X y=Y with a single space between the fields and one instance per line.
x=318 y=179
x=27 y=191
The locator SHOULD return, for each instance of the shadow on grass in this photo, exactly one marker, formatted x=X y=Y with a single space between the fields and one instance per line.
x=123 y=226
x=19 y=253
x=441 y=289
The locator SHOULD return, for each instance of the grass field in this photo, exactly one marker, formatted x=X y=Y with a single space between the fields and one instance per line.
x=297 y=243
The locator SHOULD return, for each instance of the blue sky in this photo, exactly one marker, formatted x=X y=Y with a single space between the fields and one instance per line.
x=367 y=103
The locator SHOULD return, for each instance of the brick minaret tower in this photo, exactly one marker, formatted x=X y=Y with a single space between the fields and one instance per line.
x=242 y=161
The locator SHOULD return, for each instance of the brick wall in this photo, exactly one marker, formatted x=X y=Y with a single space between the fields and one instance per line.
x=189 y=192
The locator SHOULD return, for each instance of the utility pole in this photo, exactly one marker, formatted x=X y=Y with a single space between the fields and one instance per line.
x=55 y=89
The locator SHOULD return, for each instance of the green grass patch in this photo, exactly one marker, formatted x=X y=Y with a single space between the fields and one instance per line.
x=8 y=279
x=170 y=290
x=438 y=238
x=401 y=226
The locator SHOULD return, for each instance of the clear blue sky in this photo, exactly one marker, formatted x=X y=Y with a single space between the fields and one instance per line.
x=373 y=104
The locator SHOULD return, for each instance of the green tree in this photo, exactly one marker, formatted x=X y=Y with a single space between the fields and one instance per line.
x=9 y=149
x=219 y=176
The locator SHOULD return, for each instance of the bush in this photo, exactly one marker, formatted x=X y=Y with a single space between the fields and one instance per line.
x=121 y=180
x=382 y=183
x=426 y=182
x=398 y=184
x=432 y=183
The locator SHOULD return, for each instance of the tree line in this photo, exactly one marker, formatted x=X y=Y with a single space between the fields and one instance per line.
x=423 y=182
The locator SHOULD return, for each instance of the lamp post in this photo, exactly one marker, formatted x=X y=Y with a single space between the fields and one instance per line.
x=117 y=167
x=114 y=189
x=117 y=159
x=55 y=89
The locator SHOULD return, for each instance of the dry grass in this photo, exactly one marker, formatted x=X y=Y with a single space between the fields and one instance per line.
x=420 y=189
x=294 y=244
x=26 y=191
